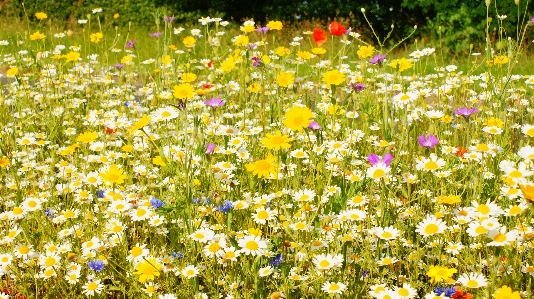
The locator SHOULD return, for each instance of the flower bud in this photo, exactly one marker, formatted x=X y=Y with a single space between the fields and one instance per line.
x=488 y=3
x=516 y=2
x=363 y=9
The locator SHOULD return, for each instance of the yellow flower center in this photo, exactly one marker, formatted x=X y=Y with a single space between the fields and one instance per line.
x=431 y=229
x=252 y=245
x=214 y=247
x=499 y=238
x=472 y=283
x=263 y=214
x=431 y=165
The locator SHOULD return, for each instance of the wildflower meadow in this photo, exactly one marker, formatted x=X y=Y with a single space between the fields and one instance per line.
x=224 y=160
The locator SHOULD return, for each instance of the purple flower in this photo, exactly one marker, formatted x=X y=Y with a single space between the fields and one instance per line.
x=131 y=43
x=156 y=34
x=428 y=142
x=118 y=65
x=532 y=19
x=252 y=46
x=375 y=159
x=315 y=126
x=257 y=62
x=262 y=29
x=168 y=19
x=210 y=147
x=214 y=102
x=181 y=105
x=378 y=59
x=357 y=87
x=96 y=265
x=465 y=112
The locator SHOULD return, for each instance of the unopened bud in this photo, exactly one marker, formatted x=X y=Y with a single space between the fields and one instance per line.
x=363 y=9
x=488 y=3
x=69 y=33
x=39 y=56
x=392 y=26
x=415 y=27
x=516 y=2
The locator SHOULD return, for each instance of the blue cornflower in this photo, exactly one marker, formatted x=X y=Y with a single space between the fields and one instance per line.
x=49 y=212
x=276 y=261
x=156 y=203
x=96 y=265
x=178 y=255
x=439 y=290
x=449 y=291
x=225 y=207
x=100 y=193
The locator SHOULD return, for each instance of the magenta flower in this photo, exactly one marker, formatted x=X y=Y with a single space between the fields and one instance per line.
x=428 y=142
x=214 y=102
x=119 y=65
x=168 y=19
x=156 y=34
x=262 y=29
x=357 y=87
x=378 y=59
x=465 y=112
x=131 y=43
x=314 y=126
x=375 y=159
x=210 y=147
x=257 y=62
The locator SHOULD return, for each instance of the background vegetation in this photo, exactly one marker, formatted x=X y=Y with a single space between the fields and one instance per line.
x=456 y=23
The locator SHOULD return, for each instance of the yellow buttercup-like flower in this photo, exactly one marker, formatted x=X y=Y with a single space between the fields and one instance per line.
x=298 y=118
x=41 y=16
x=12 y=72
x=96 y=37
x=401 y=64
x=37 y=36
x=72 y=56
x=365 y=51
x=333 y=77
x=114 y=175
x=183 y=91
x=275 y=25
x=189 y=41
x=263 y=168
x=277 y=141
x=285 y=79
x=148 y=269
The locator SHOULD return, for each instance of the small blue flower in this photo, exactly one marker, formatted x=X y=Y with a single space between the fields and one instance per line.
x=178 y=255
x=449 y=291
x=439 y=290
x=100 y=193
x=156 y=203
x=225 y=207
x=276 y=261
x=96 y=265
x=49 y=212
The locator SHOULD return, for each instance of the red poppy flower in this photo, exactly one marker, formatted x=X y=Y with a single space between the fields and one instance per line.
x=319 y=37
x=336 y=29
x=460 y=151
x=459 y=294
x=110 y=130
